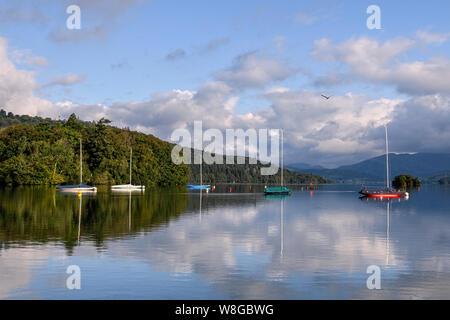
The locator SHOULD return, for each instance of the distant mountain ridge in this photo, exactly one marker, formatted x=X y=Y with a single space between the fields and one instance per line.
x=422 y=165
x=302 y=165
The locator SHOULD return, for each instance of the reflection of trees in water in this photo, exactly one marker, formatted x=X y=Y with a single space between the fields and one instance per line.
x=211 y=201
x=37 y=214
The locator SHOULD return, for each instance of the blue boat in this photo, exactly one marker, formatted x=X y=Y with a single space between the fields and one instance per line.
x=199 y=187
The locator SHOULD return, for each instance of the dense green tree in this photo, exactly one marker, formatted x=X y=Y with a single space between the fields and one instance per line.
x=34 y=150
x=405 y=181
x=48 y=153
x=248 y=173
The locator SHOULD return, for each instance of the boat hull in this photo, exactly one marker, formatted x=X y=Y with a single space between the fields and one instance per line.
x=199 y=187
x=277 y=191
x=127 y=187
x=383 y=194
x=74 y=189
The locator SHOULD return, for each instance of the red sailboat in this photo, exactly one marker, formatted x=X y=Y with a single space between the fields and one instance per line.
x=386 y=192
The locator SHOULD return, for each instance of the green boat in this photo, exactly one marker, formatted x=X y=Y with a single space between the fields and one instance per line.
x=279 y=190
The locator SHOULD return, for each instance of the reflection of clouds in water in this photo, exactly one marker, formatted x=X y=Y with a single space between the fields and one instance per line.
x=334 y=241
x=17 y=266
x=236 y=250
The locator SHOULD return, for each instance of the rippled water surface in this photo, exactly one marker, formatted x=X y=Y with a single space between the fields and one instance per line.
x=171 y=244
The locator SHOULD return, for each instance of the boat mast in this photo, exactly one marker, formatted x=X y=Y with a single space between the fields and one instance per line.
x=131 y=155
x=388 y=183
x=282 y=153
x=201 y=173
x=81 y=164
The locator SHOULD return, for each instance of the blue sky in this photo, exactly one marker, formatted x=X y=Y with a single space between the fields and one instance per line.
x=142 y=63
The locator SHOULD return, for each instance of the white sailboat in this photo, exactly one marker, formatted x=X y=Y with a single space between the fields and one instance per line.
x=128 y=187
x=79 y=187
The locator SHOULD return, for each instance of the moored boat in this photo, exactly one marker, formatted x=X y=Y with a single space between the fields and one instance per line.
x=128 y=187
x=79 y=187
x=199 y=186
x=386 y=192
x=383 y=193
x=277 y=191
x=282 y=190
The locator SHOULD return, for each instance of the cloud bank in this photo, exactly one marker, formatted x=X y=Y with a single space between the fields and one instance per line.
x=343 y=129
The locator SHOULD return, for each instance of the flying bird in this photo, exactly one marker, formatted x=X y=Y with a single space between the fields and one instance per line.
x=326 y=96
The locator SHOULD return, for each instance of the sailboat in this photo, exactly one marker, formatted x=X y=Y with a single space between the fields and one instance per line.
x=282 y=190
x=79 y=187
x=128 y=187
x=386 y=192
x=200 y=186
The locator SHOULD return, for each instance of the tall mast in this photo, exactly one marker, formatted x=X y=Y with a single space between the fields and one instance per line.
x=131 y=155
x=282 y=154
x=81 y=164
x=201 y=173
x=388 y=183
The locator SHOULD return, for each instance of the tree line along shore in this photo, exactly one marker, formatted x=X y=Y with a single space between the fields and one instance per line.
x=37 y=151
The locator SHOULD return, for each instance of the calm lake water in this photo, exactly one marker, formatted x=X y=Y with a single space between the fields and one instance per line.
x=170 y=244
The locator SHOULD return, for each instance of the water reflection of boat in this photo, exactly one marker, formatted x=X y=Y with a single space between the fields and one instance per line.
x=128 y=187
x=389 y=202
x=79 y=187
x=275 y=196
x=282 y=227
x=80 y=196
x=121 y=193
x=387 y=192
x=383 y=199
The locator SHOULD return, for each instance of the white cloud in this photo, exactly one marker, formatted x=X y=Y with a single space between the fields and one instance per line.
x=100 y=20
x=432 y=38
x=252 y=70
x=16 y=87
x=66 y=80
x=26 y=57
x=305 y=18
x=369 y=60
x=343 y=129
x=422 y=124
